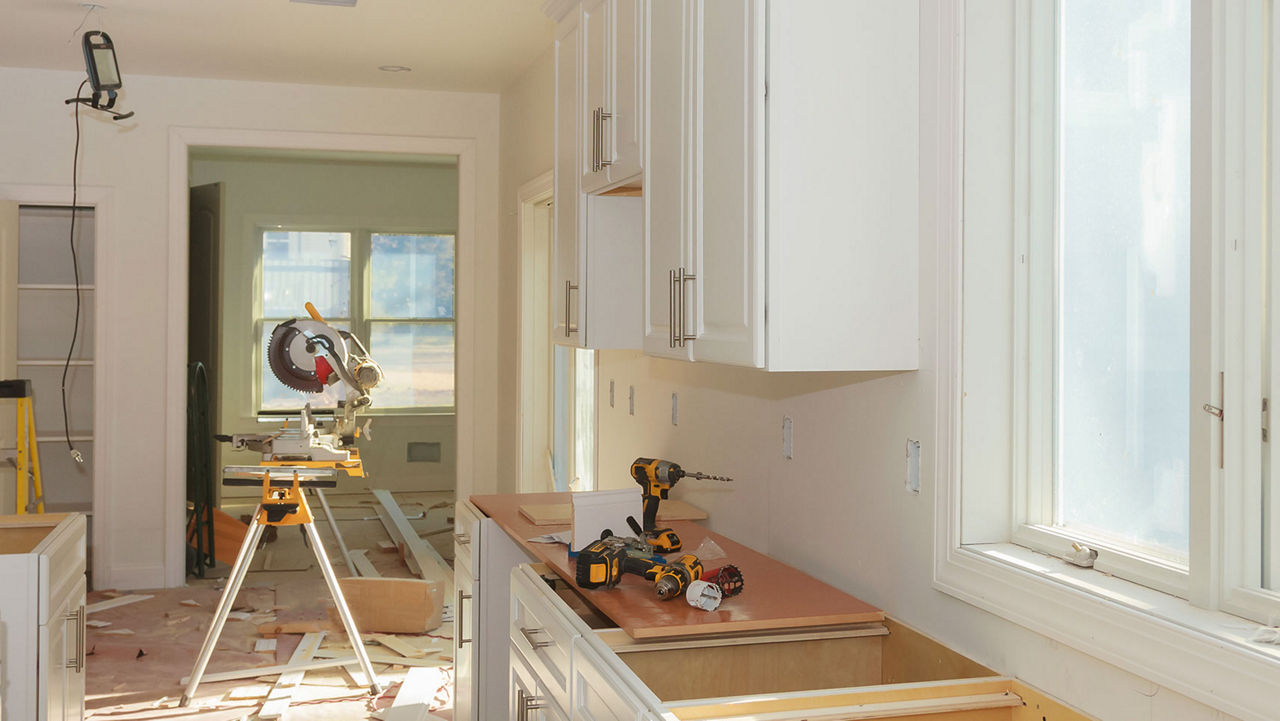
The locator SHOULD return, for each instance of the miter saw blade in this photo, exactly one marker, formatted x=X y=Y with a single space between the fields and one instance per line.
x=302 y=353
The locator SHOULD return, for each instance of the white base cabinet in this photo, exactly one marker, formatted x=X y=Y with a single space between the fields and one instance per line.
x=42 y=615
x=483 y=558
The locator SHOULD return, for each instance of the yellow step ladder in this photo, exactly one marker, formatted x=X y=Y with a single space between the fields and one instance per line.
x=28 y=461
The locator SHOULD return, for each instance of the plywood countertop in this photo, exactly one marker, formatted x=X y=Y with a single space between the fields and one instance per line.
x=775 y=595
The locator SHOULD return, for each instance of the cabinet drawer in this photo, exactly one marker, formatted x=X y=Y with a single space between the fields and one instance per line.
x=64 y=553
x=541 y=632
x=466 y=519
x=598 y=691
x=530 y=699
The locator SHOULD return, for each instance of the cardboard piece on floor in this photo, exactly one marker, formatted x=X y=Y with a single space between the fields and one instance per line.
x=561 y=514
x=599 y=512
x=394 y=605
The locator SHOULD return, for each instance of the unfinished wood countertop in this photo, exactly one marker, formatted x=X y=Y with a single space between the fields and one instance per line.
x=775 y=595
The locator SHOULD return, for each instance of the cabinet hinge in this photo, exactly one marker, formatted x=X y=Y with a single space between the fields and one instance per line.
x=1266 y=420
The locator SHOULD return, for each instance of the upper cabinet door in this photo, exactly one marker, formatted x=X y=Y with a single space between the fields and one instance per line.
x=566 y=290
x=668 y=192
x=613 y=72
x=726 y=302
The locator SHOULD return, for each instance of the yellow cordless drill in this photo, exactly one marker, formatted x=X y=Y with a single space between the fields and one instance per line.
x=656 y=477
x=673 y=578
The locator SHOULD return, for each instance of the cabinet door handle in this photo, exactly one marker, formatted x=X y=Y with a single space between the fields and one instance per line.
x=458 y=623
x=528 y=636
x=462 y=539
x=683 y=336
x=602 y=116
x=76 y=662
x=595 y=140
x=671 y=308
x=569 y=287
x=526 y=703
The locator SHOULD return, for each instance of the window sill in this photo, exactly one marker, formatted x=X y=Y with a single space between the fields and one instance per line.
x=1204 y=655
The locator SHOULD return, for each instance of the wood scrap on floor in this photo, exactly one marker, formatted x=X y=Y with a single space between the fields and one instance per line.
x=414 y=700
x=431 y=566
x=228 y=536
x=116 y=602
x=377 y=655
x=362 y=565
x=400 y=646
x=394 y=605
x=264 y=645
x=282 y=693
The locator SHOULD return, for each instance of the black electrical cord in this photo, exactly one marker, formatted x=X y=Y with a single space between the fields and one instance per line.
x=75 y=267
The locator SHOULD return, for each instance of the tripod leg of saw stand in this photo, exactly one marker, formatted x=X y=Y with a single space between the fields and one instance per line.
x=348 y=622
x=333 y=526
x=236 y=578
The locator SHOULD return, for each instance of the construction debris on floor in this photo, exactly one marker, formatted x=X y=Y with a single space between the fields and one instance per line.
x=283 y=653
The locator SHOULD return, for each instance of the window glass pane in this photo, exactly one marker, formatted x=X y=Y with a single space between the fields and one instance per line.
x=417 y=359
x=301 y=266
x=1124 y=282
x=276 y=396
x=411 y=276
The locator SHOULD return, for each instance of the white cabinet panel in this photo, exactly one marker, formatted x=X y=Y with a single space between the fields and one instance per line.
x=597 y=693
x=669 y=183
x=566 y=289
x=464 y=666
x=808 y=261
x=495 y=555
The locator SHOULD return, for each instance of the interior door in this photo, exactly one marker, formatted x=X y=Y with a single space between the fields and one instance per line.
x=203 y=306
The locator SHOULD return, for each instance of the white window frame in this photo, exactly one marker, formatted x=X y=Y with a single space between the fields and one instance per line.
x=1195 y=647
x=360 y=321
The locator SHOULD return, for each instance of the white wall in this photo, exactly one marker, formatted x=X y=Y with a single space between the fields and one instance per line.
x=528 y=144
x=839 y=509
x=135 y=529
x=359 y=194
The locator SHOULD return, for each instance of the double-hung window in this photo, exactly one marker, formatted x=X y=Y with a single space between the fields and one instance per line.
x=393 y=290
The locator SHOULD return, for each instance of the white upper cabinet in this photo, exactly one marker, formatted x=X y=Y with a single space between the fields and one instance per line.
x=610 y=113
x=597 y=247
x=781 y=190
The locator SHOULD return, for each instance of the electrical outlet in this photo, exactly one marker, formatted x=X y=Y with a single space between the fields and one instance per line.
x=786 y=437
x=675 y=409
x=610 y=392
x=631 y=400
x=913 y=466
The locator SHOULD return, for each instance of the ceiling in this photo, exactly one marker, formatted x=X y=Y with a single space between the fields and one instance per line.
x=466 y=45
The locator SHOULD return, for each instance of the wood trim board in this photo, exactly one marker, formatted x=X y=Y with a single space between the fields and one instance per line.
x=561 y=514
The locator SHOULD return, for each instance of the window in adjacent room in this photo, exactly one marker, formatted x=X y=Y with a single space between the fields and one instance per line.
x=393 y=290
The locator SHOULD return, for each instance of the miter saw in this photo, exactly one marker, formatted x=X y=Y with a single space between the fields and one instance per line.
x=309 y=355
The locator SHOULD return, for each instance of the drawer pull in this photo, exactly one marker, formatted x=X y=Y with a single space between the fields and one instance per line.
x=459 y=624
x=462 y=539
x=76 y=662
x=528 y=636
x=526 y=703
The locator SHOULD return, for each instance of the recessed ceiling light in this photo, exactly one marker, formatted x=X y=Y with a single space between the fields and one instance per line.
x=394 y=68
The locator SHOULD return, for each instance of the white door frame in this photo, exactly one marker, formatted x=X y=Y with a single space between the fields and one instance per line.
x=532 y=194
x=104 y=283
x=181 y=140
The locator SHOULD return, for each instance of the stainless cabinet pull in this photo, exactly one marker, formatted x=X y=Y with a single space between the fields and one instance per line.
x=671 y=308
x=569 y=287
x=602 y=116
x=528 y=636
x=595 y=140
x=458 y=624
x=526 y=703
x=682 y=336
x=76 y=662
x=462 y=539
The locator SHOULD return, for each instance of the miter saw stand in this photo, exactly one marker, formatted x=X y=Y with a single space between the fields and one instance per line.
x=282 y=505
